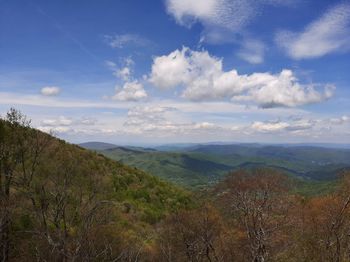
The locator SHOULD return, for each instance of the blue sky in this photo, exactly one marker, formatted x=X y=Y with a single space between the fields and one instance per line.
x=138 y=72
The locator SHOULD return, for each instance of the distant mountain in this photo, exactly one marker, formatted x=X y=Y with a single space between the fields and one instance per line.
x=203 y=164
x=180 y=146
x=181 y=168
x=97 y=145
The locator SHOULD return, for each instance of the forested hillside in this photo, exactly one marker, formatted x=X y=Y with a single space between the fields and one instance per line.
x=60 y=202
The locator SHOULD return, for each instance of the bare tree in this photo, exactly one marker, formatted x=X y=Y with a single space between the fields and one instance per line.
x=195 y=235
x=258 y=204
x=325 y=228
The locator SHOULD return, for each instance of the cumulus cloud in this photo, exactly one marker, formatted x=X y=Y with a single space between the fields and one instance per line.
x=283 y=89
x=124 y=40
x=50 y=91
x=203 y=78
x=328 y=34
x=131 y=91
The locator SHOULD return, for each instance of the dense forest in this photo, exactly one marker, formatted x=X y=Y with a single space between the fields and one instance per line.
x=61 y=202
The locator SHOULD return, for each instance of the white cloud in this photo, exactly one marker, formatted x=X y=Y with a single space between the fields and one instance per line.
x=50 y=91
x=283 y=89
x=131 y=91
x=293 y=126
x=171 y=70
x=110 y=64
x=123 y=73
x=301 y=124
x=56 y=129
x=203 y=78
x=269 y=126
x=340 y=120
x=66 y=121
x=220 y=18
x=63 y=125
x=124 y=40
x=163 y=121
x=87 y=121
x=60 y=121
x=230 y=14
x=328 y=34
x=205 y=125
x=252 y=51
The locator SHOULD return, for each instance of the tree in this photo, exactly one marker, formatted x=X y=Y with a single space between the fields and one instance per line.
x=194 y=235
x=11 y=149
x=323 y=230
x=20 y=150
x=257 y=202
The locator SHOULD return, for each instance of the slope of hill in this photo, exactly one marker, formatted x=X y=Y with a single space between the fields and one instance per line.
x=69 y=202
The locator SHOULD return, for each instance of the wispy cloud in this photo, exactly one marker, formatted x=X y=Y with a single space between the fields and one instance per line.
x=8 y=98
x=220 y=18
x=328 y=34
x=124 y=40
x=232 y=15
x=252 y=51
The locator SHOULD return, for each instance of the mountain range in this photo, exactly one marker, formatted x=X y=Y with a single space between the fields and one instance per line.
x=199 y=165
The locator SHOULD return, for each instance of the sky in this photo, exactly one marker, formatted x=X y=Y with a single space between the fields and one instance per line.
x=177 y=71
